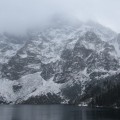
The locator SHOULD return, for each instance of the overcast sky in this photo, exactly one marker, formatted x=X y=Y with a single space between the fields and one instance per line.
x=18 y=15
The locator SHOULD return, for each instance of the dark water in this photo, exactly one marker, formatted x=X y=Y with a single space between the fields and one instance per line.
x=56 y=112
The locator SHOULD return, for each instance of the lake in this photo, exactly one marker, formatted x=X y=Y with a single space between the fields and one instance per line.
x=56 y=112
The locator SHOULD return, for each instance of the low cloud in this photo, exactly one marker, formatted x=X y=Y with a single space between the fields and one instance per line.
x=19 y=15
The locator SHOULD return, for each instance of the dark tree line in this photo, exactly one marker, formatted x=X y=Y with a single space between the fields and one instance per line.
x=109 y=98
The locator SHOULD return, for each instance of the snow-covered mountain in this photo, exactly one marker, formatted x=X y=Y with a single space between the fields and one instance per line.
x=64 y=62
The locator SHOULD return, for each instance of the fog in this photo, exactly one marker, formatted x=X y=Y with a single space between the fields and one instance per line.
x=19 y=15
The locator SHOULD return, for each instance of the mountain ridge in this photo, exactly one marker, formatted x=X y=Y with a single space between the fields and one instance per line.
x=58 y=64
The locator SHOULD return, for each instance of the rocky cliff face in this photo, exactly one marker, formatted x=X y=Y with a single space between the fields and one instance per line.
x=62 y=63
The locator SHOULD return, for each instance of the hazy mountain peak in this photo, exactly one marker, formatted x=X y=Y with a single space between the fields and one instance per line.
x=60 y=59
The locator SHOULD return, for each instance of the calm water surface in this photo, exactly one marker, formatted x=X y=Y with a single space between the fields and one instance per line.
x=56 y=112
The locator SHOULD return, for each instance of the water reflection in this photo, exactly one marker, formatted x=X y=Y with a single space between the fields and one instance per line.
x=56 y=112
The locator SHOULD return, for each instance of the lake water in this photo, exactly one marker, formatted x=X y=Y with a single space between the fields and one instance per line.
x=56 y=112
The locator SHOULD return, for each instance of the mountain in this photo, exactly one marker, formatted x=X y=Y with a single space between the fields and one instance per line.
x=66 y=62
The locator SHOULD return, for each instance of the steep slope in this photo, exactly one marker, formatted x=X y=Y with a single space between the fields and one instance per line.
x=60 y=63
x=9 y=45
